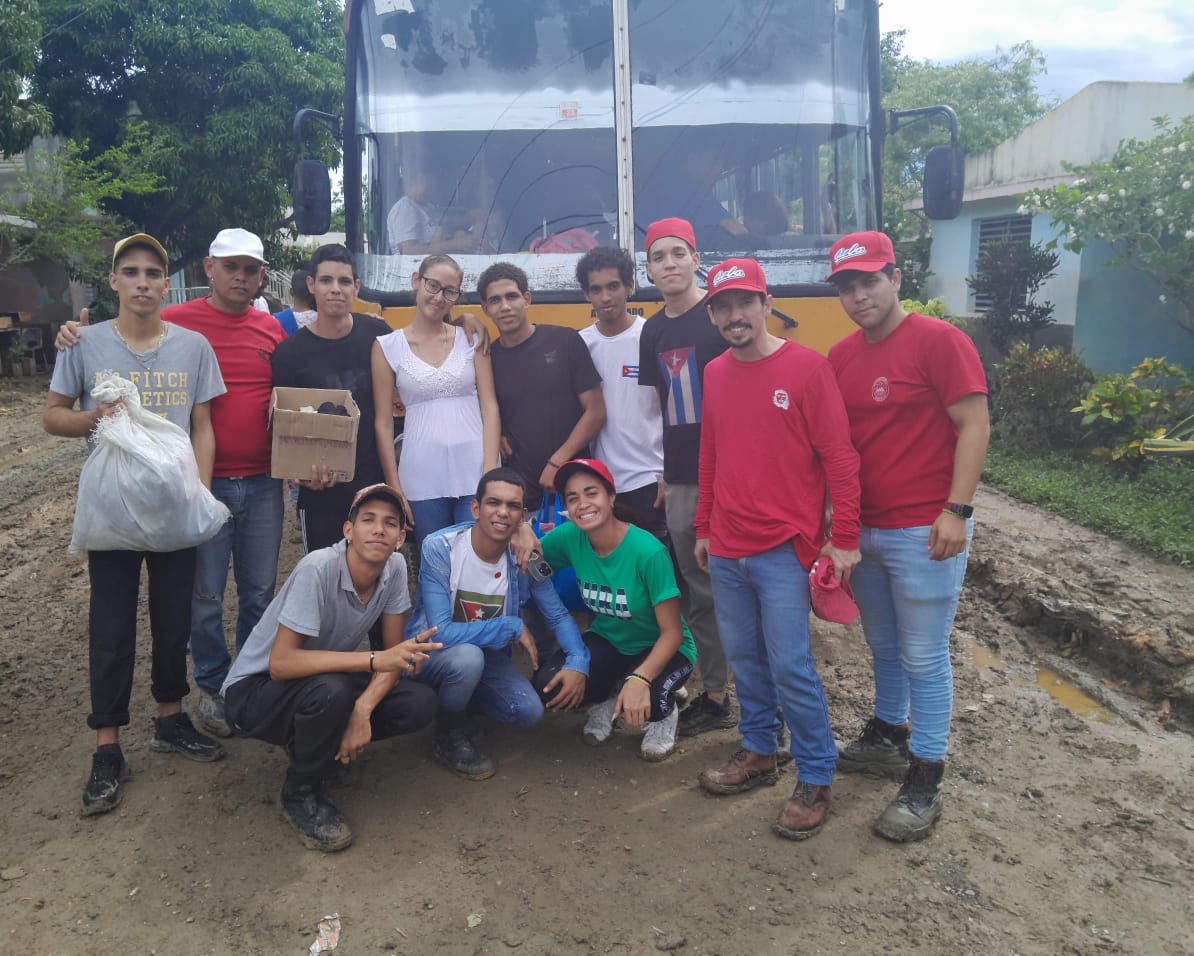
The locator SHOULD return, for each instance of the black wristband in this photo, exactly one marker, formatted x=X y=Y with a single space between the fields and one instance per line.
x=372 y=654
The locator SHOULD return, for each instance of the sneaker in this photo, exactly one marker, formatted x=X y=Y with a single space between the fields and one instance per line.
x=456 y=750
x=659 y=741
x=881 y=748
x=804 y=813
x=317 y=821
x=916 y=808
x=103 y=790
x=743 y=771
x=176 y=733
x=211 y=713
x=600 y=723
x=703 y=715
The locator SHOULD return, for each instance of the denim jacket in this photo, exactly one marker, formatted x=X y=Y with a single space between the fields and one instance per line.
x=433 y=603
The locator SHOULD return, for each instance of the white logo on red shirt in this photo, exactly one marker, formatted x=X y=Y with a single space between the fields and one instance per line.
x=880 y=389
x=734 y=272
x=780 y=399
x=856 y=250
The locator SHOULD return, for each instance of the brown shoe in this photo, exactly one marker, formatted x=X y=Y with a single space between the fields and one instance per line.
x=743 y=771
x=804 y=813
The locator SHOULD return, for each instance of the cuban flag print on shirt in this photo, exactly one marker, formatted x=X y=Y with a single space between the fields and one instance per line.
x=683 y=405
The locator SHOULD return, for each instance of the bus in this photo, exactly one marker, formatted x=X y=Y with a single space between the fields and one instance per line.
x=529 y=131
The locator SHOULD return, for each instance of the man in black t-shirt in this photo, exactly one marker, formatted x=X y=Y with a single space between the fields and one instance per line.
x=334 y=351
x=677 y=343
x=548 y=390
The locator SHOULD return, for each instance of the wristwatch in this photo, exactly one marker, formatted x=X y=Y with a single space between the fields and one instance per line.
x=962 y=511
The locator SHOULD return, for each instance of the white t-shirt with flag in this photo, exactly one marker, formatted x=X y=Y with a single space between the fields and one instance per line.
x=478 y=588
x=631 y=441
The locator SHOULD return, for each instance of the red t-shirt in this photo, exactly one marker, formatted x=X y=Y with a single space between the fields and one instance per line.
x=773 y=432
x=897 y=393
x=240 y=417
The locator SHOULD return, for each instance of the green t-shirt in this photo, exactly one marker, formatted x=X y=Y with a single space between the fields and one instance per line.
x=621 y=589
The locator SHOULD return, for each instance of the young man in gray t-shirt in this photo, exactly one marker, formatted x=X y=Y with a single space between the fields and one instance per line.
x=300 y=682
x=177 y=375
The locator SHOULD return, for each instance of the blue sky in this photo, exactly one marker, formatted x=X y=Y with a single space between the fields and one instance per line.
x=1082 y=41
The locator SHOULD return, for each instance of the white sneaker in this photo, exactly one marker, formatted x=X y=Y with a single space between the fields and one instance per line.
x=660 y=739
x=600 y=723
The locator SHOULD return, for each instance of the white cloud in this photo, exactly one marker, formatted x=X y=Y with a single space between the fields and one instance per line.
x=1113 y=39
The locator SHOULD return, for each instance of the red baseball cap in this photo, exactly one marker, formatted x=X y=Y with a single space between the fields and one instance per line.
x=736 y=274
x=570 y=468
x=831 y=597
x=680 y=228
x=861 y=252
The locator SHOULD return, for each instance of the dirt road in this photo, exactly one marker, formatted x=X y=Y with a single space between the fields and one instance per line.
x=1064 y=831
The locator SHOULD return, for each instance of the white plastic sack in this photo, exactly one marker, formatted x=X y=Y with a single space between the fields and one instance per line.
x=139 y=489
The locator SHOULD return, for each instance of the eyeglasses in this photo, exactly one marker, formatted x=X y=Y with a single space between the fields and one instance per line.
x=438 y=288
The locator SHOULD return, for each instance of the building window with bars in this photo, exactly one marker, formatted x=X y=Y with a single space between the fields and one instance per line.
x=999 y=229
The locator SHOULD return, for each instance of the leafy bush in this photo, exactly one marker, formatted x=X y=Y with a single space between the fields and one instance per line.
x=1123 y=410
x=1035 y=393
x=934 y=308
x=1011 y=273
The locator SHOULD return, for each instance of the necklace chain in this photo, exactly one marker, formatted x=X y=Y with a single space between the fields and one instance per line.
x=149 y=356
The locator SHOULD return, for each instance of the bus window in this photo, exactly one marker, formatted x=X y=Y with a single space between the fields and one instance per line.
x=485 y=130
x=751 y=120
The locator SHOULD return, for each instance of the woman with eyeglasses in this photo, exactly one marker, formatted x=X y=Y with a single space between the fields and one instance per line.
x=452 y=427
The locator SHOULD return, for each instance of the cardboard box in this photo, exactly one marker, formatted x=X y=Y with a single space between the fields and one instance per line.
x=303 y=439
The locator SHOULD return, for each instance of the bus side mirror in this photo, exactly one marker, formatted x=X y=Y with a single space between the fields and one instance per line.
x=312 y=197
x=945 y=174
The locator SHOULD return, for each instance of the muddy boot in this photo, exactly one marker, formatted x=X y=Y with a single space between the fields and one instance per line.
x=318 y=823
x=911 y=815
x=456 y=749
x=804 y=813
x=881 y=748
x=743 y=771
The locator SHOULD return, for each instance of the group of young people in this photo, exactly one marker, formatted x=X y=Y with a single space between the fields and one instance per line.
x=695 y=441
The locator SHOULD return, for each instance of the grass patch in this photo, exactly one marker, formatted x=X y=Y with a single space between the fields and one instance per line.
x=1153 y=510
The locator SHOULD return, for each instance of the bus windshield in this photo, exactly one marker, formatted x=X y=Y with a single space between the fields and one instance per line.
x=489 y=131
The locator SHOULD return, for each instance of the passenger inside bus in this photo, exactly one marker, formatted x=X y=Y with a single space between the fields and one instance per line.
x=681 y=184
x=426 y=220
x=763 y=214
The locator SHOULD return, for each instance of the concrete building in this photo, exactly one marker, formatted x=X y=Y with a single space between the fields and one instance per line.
x=1116 y=315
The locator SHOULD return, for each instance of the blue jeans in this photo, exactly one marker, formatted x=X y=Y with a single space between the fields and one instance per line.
x=435 y=514
x=908 y=604
x=251 y=538
x=481 y=680
x=762 y=614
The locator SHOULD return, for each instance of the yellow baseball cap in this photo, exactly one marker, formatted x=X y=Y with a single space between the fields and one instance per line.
x=141 y=239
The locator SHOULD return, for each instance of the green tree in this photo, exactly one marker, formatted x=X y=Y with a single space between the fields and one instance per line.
x=1141 y=203
x=995 y=97
x=20 y=119
x=217 y=82
x=62 y=193
x=1008 y=275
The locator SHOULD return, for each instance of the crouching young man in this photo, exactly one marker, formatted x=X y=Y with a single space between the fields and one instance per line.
x=300 y=681
x=470 y=593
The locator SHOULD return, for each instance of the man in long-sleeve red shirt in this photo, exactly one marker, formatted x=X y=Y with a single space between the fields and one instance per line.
x=774 y=437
